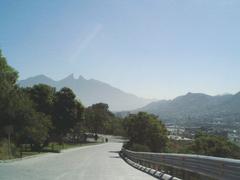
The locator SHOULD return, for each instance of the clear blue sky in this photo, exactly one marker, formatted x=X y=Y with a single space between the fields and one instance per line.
x=152 y=48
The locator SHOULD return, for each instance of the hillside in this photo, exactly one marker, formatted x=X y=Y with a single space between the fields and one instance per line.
x=92 y=91
x=196 y=107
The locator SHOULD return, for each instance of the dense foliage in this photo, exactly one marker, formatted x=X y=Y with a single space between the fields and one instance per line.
x=205 y=144
x=98 y=119
x=218 y=146
x=145 y=131
x=40 y=114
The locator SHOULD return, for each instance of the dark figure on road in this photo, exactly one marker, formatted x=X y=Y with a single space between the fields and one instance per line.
x=106 y=140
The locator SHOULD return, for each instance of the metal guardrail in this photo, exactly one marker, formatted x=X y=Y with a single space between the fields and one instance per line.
x=214 y=167
x=151 y=171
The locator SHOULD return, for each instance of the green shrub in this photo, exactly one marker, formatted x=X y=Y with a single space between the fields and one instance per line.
x=137 y=147
x=140 y=148
x=183 y=147
x=215 y=146
x=4 y=154
x=147 y=130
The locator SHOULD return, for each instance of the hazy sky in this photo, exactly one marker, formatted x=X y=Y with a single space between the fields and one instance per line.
x=152 y=48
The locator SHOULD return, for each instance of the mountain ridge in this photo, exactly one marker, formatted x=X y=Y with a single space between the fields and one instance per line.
x=196 y=106
x=91 y=91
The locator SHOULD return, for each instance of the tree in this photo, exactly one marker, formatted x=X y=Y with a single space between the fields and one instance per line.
x=211 y=145
x=17 y=110
x=146 y=129
x=79 y=129
x=10 y=97
x=7 y=73
x=67 y=111
x=29 y=125
x=115 y=127
x=8 y=91
x=98 y=118
x=43 y=97
x=35 y=131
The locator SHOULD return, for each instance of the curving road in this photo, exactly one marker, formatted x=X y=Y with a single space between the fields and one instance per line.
x=97 y=162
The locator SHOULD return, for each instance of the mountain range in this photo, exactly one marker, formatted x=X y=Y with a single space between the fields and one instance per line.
x=189 y=107
x=91 y=91
x=197 y=107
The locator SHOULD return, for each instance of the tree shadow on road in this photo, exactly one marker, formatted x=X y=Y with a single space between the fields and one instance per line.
x=116 y=157
x=114 y=152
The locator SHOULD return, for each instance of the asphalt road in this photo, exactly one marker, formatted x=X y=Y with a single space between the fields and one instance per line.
x=97 y=162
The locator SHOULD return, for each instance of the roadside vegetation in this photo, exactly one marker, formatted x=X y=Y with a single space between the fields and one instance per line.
x=147 y=133
x=42 y=119
x=205 y=144
x=41 y=116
